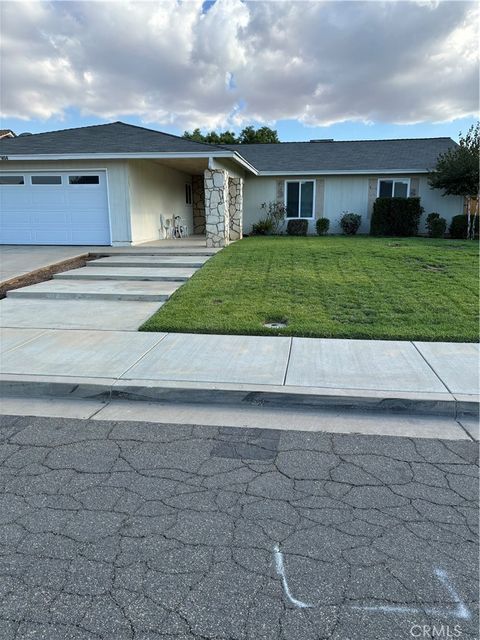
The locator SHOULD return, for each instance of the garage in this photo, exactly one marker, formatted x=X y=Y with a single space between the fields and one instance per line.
x=68 y=208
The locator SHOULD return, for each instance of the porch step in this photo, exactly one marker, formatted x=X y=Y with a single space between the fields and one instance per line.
x=98 y=290
x=189 y=262
x=159 y=251
x=164 y=274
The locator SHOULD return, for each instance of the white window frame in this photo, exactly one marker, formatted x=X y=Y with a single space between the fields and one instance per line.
x=393 y=180
x=188 y=185
x=43 y=175
x=299 y=217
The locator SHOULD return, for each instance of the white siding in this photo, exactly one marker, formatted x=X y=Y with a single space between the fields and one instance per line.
x=116 y=187
x=341 y=194
x=155 y=190
x=346 y=193
x=256 y=190
x=433 y=201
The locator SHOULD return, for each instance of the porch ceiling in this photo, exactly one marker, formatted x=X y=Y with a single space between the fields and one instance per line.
x=192 y=166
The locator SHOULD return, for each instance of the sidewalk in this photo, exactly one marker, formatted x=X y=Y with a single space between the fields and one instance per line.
x=418 y=377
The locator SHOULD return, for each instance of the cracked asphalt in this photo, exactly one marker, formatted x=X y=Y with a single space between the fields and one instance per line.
x=138 y=531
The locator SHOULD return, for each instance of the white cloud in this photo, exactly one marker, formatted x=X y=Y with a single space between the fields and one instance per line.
x=169 y=62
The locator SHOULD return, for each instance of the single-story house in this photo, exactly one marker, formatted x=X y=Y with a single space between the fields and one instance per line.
x=117 y=184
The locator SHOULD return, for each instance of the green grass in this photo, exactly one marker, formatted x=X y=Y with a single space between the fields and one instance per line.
x=335 y=287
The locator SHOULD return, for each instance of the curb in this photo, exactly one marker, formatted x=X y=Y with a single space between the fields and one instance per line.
x=441 y=404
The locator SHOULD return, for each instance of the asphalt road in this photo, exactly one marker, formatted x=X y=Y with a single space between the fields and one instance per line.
x=139 y=531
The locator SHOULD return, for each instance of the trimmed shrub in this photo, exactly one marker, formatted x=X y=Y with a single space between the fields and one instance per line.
x=395 y=217
x=350 y=223
x=262 y=227
x=297 y=227
x=437 y=227
x=459 y=225
x=322 y=225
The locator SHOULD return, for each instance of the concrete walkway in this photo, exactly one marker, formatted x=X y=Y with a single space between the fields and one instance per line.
x=119 y=290
x=439 y=378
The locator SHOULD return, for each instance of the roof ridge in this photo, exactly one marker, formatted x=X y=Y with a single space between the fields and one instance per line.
x=272 y=144
x=125 y=124
x=87 y=126
x=163 y=133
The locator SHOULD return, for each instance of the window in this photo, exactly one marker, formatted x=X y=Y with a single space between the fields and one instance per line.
x=9 y=179
x=46 y=179
x=188 y=193
x=393 y=188
x=299 y=198
x=83 y=179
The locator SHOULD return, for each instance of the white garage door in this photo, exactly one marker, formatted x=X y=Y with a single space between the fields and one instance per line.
x=54 y=208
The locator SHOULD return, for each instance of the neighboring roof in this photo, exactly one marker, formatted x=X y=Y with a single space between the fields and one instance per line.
x=7 y=133
x=415 y=154
x=116 y=137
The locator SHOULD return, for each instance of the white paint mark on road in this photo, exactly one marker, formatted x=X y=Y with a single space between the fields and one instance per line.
x=460 y=610
x=280 y=566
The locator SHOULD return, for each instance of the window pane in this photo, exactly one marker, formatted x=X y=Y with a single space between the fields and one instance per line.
x=188 y=194
x=11 y=180
x=46 y=180
x=306 y=202
x=400 y=190
x=292 y=199
x=386 y=189
x=83 y=179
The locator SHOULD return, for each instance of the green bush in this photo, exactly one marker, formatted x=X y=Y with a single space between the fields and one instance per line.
x=350 y=223
x=429 y=220
x=459 y=225
x=395 y=217
x=437 y=227
x=322 y=225
x=262 y=227
x=297 y=227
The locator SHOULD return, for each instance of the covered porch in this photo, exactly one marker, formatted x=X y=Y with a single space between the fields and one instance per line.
x=214 y=202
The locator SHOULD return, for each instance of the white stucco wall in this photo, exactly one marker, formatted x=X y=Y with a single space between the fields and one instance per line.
x=155 y=190
x=117 y=187
x=343 y=193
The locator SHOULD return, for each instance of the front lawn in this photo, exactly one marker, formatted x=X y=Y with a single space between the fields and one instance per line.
x=335 y=287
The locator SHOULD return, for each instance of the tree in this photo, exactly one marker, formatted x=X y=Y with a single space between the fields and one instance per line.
x=247 y=136
x=457 y=171
x=264 y=135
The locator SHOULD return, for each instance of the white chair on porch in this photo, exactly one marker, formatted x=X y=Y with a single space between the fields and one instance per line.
x=166 y=227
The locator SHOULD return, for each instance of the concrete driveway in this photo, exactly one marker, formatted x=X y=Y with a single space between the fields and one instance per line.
x=18 y=260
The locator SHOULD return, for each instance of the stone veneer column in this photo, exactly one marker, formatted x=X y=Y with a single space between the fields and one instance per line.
x=216 y=208
x=198 y=204
x=235 y=206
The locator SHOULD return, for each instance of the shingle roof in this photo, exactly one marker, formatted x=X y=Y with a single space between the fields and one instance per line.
x=355 y=155
x=116 y=137
x=415 y=154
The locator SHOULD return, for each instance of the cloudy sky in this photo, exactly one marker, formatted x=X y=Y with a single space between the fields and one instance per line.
x=310 y=69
